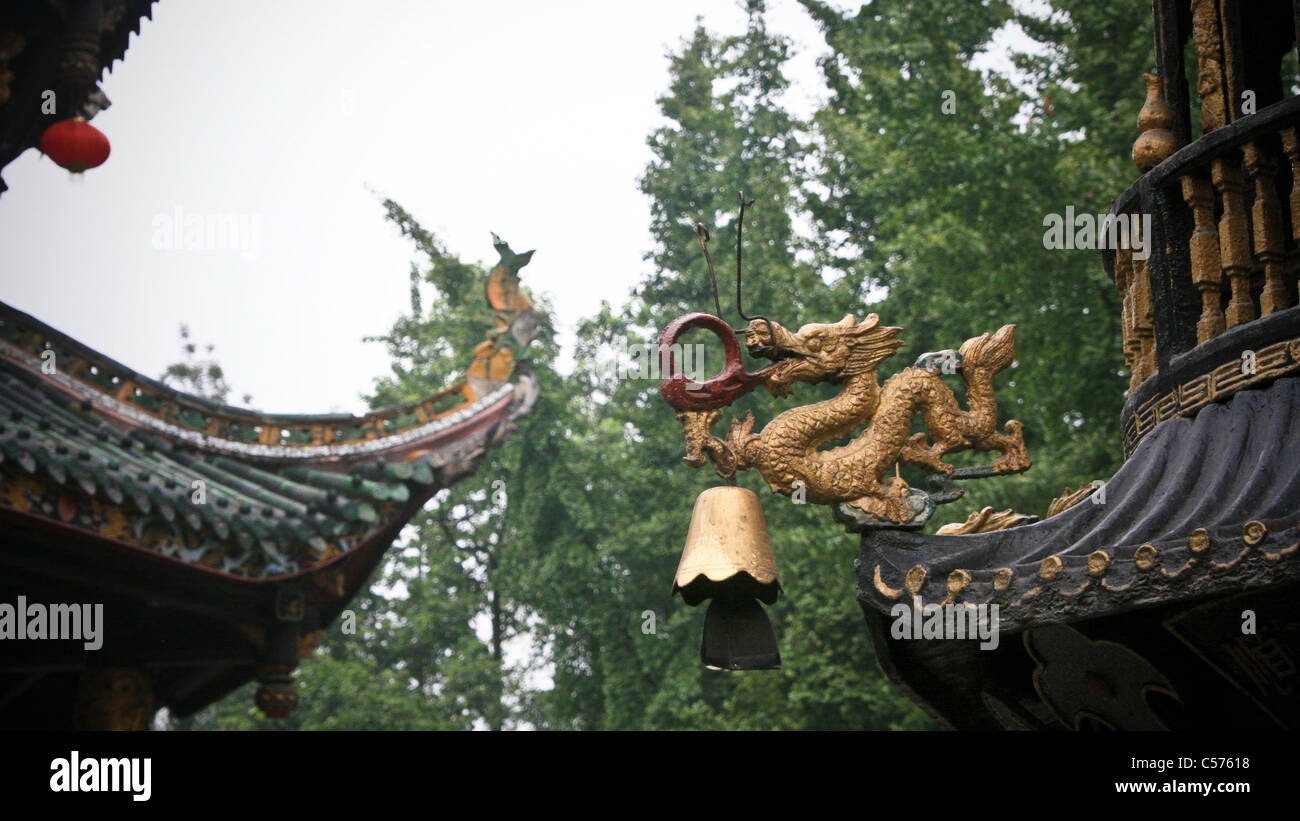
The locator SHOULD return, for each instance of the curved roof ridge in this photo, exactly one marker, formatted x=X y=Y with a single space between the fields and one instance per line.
x=140 y=400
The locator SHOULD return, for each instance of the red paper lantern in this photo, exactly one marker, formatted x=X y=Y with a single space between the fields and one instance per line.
x=75 y=144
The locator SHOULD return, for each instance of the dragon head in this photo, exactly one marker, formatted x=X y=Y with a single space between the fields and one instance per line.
x=821 y=351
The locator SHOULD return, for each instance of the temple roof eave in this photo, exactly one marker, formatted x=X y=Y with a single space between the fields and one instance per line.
x=135 y=400
x=1203 y=504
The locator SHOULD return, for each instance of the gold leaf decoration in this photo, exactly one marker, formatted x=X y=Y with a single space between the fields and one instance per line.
x=986 y=521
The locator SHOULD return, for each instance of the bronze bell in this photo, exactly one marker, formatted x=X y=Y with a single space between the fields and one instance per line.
x=728 y=559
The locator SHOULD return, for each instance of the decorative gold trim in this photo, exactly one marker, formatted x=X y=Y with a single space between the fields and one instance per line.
x=1155 y=142
x=1032 y=593
x=884 y=589
x=914 y=579
x=1115 y=588
x=1266 y=222
x=1218 y=385
x=1050 y=568
x=1207 y=40
x=1199 y=541
x=1002 y=578
x=985 y=520
x=1144 y=365
x=1123 y=281
x=1203 y=248
x=1071 y=593
x=1286 y=551
x=1233 y=563
x=958 y=581
x=1098 y=562
x=1234 y=238
x=1180 y=571
x=1068 y=499
x=1145 y=557
x=1253 y=532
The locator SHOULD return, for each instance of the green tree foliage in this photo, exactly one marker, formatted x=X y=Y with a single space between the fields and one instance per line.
x=201 y=377
x=1088 y=85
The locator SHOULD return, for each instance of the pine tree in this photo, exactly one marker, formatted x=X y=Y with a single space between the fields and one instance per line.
x=727 y=132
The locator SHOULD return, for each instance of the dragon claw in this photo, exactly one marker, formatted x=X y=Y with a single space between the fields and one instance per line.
x=910 y=509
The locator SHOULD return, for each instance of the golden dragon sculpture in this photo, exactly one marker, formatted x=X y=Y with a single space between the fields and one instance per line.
x=788 y=452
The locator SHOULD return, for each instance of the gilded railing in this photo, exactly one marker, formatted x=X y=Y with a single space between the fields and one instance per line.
x=1223 y=209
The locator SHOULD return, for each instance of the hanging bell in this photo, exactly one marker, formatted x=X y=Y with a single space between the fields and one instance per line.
x=729 y=560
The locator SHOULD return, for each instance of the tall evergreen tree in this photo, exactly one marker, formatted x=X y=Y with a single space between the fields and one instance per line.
x=727 y=132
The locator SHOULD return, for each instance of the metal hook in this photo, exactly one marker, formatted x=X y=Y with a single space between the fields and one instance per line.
x=740 y=228
x=703 y=234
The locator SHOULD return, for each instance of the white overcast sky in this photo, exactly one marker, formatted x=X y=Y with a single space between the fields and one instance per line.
x=529 y=119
